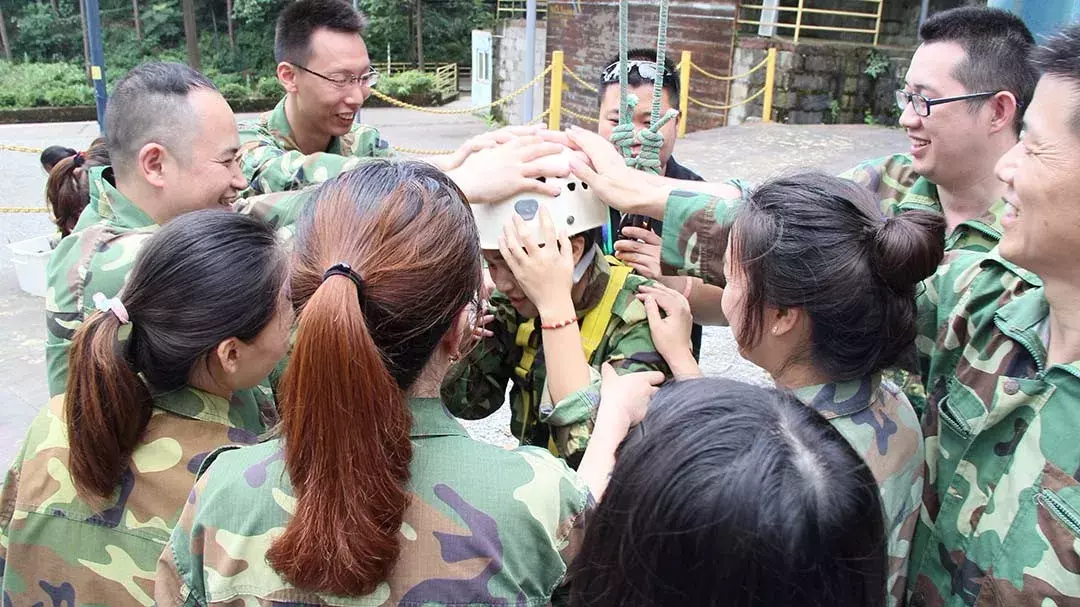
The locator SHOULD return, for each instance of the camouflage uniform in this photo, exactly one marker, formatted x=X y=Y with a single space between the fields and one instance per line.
x=1000 y=523
x=899 y=188
x=476 y=387
x=879 y=422
x=99 y=254
x=884 y=430
x=95 y=257
x=58 y=549
x=497 y=538
x=272 y=161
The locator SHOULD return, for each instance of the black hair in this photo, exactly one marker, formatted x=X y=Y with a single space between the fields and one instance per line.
x=67 y=191
x=634 y=79
x=997 y=45
x=821 y=243
x=299 y=20
x=53 y=154
x=1059 y=57
x=202 y=278
x=731 y=494
x=150 y=104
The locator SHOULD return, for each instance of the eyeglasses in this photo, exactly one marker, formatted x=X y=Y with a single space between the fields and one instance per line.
x=342 y=81
x=645 y=69
x=922 y=104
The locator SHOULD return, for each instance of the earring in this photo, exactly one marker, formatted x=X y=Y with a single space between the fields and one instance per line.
x=453 y=358
x=774 y=330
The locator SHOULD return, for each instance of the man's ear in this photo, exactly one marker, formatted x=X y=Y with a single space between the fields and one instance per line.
x=150 y=163
x=1004 y=107
x=286 y=75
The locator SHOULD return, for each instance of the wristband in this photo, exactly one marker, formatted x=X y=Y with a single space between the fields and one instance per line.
x=558 y=325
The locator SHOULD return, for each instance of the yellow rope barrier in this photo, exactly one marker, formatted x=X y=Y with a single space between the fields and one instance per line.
x=580 y=116
x=735 y=77
x=542 y=117
x=470 y=110
x=589 y=87
x=23 y=210
x=20 y=148
x=728 y=107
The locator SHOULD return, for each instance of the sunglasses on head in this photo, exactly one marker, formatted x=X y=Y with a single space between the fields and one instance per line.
x=646 y=69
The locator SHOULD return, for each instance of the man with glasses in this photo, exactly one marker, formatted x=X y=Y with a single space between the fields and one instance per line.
x=323 y=65
x=962 y=103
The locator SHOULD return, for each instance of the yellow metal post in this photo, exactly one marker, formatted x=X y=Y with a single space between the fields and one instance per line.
x=770 y=80
x=877 y=22
x=798 y=21
x=684 y=91
x=555 y=117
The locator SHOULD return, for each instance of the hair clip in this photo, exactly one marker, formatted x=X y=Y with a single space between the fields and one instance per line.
x=112 y=304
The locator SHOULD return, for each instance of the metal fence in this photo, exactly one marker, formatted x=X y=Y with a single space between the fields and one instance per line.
x=863 y=19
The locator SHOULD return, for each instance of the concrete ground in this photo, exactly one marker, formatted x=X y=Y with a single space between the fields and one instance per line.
x=752 y=152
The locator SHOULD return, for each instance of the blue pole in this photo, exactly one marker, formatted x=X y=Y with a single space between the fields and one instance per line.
x=530 y=58
x=97 y=59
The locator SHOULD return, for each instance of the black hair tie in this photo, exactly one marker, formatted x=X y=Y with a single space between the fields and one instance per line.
x=343 y=269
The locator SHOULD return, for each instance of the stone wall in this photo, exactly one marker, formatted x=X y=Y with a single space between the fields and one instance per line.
x=588 y=32
x=508 y=50
x=821 y=83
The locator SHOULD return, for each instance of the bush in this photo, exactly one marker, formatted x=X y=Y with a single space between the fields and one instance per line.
x=234 y=91
x=77 y=95
x=412 y=86
x=269 y=88
x=43 y=84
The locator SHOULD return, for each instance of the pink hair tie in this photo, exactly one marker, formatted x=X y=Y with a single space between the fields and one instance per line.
x=112 y=304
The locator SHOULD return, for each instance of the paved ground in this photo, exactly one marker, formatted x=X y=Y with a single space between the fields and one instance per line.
x=753 y=152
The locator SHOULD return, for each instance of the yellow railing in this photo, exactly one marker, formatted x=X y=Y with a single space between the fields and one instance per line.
x=861 y=18
x=446 y=74
x=511 y=9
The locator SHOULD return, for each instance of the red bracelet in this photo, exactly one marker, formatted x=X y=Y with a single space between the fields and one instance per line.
x=559 y=325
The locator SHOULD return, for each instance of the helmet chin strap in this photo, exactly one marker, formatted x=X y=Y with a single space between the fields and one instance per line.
x=583 y=265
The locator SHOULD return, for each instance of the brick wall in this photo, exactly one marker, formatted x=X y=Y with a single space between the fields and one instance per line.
x=589 y=35
x=508 y=53
x=821 y=83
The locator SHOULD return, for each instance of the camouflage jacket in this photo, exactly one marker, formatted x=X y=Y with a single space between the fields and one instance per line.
x=875 y=417
x=899 y=188
x=95 y=257
x=497 y=538
x=1000 y=523
x=272 y=161
x=100 y=253
x=58 y=549
x=476 y=387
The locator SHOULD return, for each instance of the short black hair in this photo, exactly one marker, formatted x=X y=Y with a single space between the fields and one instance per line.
x=997 y=44
x=1059 y=57
x=634 y=79
x=731 y=494
x=54 y=154
x=150 y=104
x=821 y=243
x=297 y=21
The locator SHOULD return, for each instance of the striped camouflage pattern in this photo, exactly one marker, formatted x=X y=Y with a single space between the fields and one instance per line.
x=879 y=422
x=486 y=526
x=476 y=386
x=58 y=549
x=1001 y=513
x=272 y=161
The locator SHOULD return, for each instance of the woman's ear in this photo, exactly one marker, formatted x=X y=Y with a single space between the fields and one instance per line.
x=782 y=321
x=460 y=333
x=228 y=355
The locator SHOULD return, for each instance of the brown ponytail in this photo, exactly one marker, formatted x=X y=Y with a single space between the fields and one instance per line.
x=408 y=235
x=107 y=406
x=67 y=192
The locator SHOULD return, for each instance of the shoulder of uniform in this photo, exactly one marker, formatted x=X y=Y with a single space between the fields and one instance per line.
x=896 y=166
x=627 y=306
x=234 y=459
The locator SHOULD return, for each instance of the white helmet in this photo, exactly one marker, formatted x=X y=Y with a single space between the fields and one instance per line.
x=576 y=210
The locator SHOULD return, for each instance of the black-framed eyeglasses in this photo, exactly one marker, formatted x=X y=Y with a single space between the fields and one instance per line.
x=645 y=69
x=921 y=104
x=342 y=81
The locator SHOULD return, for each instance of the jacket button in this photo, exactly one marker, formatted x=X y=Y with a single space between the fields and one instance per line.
x=1011 y=386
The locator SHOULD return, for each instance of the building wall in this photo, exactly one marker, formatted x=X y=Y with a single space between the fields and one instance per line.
x=588 y=32
x=821 y=83
x=508 y=53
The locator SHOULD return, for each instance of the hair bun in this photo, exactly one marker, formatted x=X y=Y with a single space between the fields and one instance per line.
x=908 y=248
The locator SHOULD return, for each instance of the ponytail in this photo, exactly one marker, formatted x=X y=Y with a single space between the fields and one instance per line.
x=67 y=192
x=107 y=406
x=346 y=426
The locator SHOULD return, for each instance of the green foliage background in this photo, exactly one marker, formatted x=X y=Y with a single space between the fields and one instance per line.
x=47 y=44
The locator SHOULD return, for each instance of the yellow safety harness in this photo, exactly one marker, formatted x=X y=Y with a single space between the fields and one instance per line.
x=593 y=328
